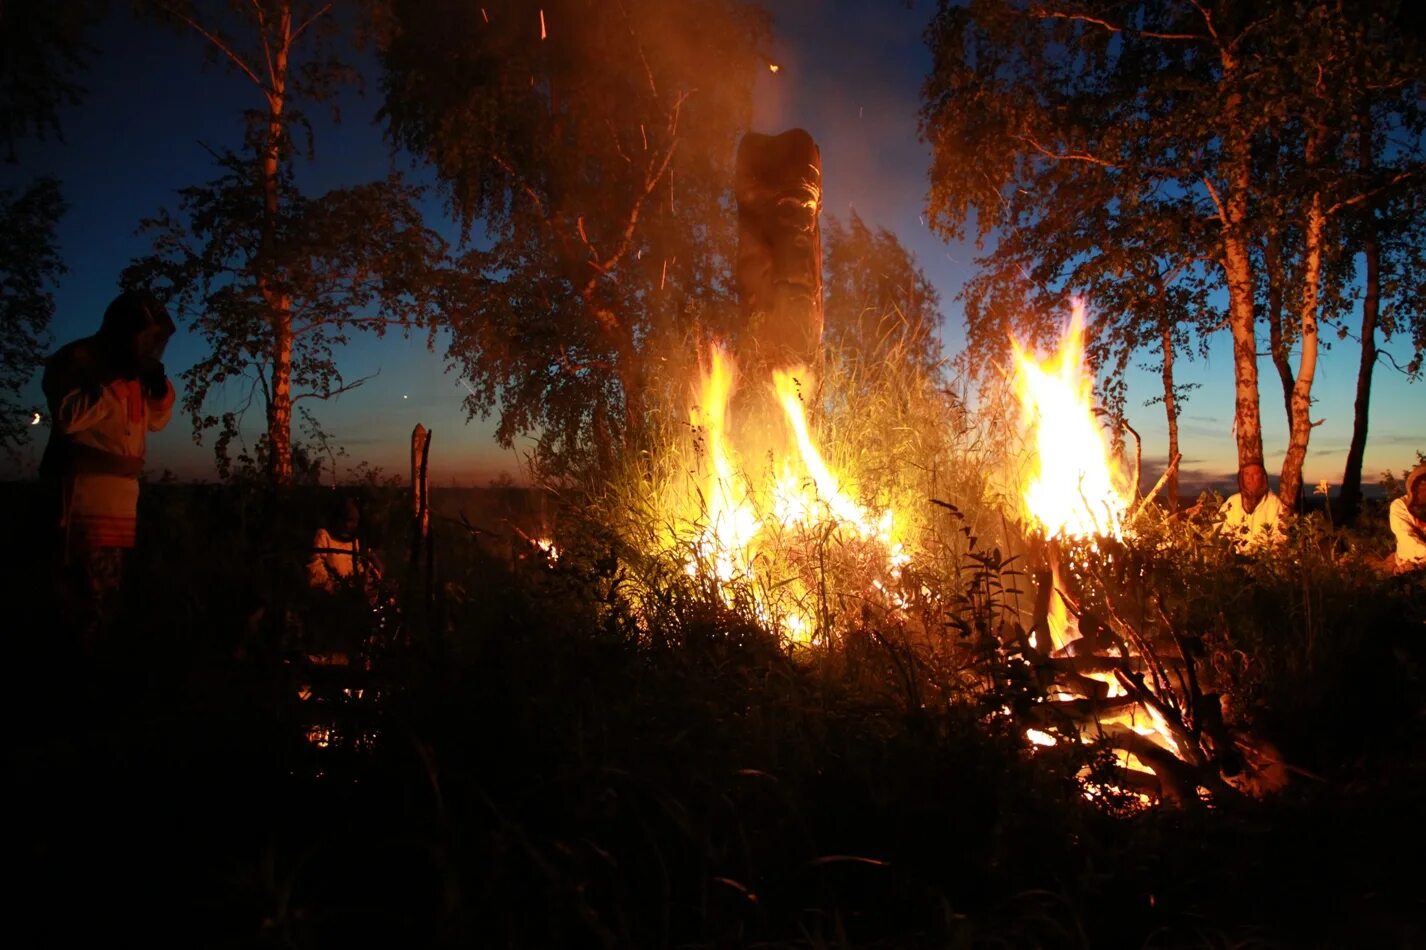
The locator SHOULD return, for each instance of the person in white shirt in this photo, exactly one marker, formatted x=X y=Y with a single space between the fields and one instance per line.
x=1408 y=523
x=338 y=551
x=339 y=564
x=1253 y=515
x=107 y=393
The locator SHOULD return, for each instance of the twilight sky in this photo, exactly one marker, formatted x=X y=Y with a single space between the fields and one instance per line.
x=851 y=74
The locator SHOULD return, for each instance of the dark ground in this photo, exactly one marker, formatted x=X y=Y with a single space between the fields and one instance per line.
x=541 y=777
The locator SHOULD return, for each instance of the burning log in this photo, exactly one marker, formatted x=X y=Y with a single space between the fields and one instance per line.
x=1178 y=779
x=1140 y=782
x=1088 y=664
x=1125 y=677
x=1079 y=711
x=779 y=272
x=1040 y=619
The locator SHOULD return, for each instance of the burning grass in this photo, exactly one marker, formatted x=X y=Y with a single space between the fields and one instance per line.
x=809 y=514
x=610 y=748
x=1045 y=591
x=584 y=752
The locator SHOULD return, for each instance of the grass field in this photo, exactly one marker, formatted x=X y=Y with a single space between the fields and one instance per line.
x=529 y=761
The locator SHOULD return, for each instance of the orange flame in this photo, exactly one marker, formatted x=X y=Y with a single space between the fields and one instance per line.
x=1076 y=492
x=732 y=520
x=742 y=515
x=1076 y=489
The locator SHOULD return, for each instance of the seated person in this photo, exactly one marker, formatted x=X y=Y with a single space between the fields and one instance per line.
x=1253 y=515
x=1408 y=523
x=338 y=553
x=343 y=574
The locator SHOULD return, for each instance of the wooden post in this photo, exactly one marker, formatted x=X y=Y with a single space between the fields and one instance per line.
x=421 y=544
x=426 y=534
x=779 y=272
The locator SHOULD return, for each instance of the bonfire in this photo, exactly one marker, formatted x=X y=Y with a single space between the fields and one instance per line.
x=1133 y=689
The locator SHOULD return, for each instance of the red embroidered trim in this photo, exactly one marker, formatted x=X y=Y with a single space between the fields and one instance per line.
x=103 y=531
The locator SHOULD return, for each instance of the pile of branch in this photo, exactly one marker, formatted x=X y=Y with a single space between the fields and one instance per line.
x=1156 y=671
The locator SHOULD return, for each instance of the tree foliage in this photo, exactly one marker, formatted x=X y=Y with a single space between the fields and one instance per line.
x=283 y=278
x=587 y=147
x=1153 y=153
x=43 y=46
x=42 y=49
x=350 y=260
x=877 y=298
x=29 y=267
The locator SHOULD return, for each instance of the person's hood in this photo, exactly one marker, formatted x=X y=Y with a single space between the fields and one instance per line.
x=134 y=313
x=1414 y=476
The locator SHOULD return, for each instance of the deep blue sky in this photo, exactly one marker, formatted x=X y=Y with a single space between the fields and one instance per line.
x=851 y=74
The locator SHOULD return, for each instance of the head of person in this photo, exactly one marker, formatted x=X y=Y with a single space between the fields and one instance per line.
x=136 y=329
x=345 y=520
x=1252 y=484
x=1416 y=491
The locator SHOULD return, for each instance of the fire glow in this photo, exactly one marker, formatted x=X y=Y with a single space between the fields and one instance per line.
x=1075 y=493
x=1075 y=490
x=743 y=519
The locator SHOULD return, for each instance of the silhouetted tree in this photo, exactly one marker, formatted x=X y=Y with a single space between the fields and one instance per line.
x=29 y=267
x=272 y=277
x=43 y=47
x=1104 y=142
x=588 y=147
x=352 y=259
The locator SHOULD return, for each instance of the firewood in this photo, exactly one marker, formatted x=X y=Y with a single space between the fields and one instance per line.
x=1143 y=783
x=1180 y=780
x=1098 y=663
x=1080 y=711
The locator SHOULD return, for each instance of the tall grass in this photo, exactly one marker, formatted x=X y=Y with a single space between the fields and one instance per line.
x=892 y=432
x=605 y=749
x=1309 y=643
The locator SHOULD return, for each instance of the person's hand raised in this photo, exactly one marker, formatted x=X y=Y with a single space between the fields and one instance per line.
x=153 y=378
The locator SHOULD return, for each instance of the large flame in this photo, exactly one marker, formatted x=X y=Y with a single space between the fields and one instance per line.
x=1075 y=490
x=732 y=519
x=793 y=500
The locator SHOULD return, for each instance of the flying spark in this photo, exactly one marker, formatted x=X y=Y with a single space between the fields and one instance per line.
x=773 y=67
x=542 y=24
x=36 y=420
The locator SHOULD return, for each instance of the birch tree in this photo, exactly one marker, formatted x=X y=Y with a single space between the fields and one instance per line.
x=273 y=278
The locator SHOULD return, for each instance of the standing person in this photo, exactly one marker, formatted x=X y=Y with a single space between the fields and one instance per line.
x=1253 y=515
x=105 y=392
x=1408 y=523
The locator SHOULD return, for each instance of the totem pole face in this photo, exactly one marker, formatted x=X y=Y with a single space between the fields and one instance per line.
x=779 y=192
